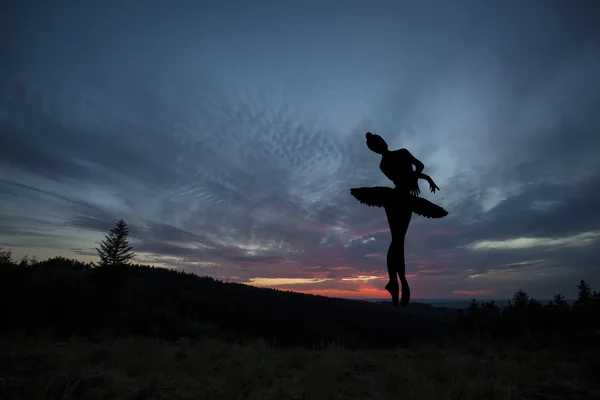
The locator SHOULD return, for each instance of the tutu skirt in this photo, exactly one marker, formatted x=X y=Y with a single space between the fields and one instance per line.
x=383 y=196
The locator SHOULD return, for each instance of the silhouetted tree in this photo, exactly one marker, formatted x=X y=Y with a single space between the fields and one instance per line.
x=5 y=256
x=473 y=306
x=596 y=299
x=520 y=299
x=115 y=248
x=27 y=261
x=583 y=309
x=584 y=294
x=559 y=302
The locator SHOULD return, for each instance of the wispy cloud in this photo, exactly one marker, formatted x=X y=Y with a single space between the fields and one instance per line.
x=284 y=281
x=582 y=239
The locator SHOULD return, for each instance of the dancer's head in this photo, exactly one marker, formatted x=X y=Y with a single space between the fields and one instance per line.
x=376 y=143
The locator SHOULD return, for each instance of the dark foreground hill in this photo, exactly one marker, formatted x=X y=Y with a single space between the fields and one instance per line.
x=145 y=368
x=66 y=297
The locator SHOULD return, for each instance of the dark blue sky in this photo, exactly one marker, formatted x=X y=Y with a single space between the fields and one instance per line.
x=228 y=134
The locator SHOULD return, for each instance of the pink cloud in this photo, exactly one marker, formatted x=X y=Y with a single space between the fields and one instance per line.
x=352 y=293
x=374 y=255
x=341 y=269
x=355 y=289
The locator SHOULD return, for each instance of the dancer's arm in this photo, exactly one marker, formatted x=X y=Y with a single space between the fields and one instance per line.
x=405 y=154
x=432 y=186
x=419 y=166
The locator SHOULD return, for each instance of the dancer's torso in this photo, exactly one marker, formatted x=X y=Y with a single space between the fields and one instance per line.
x=397 y=166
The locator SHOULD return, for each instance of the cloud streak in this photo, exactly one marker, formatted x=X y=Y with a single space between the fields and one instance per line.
x=582 y=239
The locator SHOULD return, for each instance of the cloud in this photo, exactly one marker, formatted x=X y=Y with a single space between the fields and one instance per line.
x=284 y=281
x=583 y=239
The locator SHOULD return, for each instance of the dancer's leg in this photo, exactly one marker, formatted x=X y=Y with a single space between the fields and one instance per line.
x=401 y=264
x=396 y=263
x=399 y=213
x=393 y=287
x=399 y=220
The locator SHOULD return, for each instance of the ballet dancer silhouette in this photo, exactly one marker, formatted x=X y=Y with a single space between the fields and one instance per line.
x=399 y=204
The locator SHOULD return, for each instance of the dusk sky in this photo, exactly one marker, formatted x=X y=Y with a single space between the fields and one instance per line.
x=228 y=134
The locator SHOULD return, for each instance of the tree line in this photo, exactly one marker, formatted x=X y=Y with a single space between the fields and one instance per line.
x=524 y=318
x=116 y=297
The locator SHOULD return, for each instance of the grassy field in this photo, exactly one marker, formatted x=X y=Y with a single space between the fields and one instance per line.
x=143 y=368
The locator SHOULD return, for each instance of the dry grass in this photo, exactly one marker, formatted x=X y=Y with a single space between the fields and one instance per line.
x=148 y=369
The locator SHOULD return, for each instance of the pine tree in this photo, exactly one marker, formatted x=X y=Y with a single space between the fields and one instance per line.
x=115 y=248
x=520 y=299
x=559 y=302
x=596 y=299
x=584 y=294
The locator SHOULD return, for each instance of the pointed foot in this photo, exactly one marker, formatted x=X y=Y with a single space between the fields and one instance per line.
x=394 y=291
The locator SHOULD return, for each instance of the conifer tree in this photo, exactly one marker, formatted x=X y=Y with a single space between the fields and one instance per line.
x=559 y=302
x=5 y=256
x=520 y=299
x=584 y=294
x=115 y=248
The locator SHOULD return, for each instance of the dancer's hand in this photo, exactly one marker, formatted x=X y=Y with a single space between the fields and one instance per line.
x=432 y=186
x=415 y=191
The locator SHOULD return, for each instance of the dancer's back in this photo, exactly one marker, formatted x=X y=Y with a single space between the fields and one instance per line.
x=397 y=166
